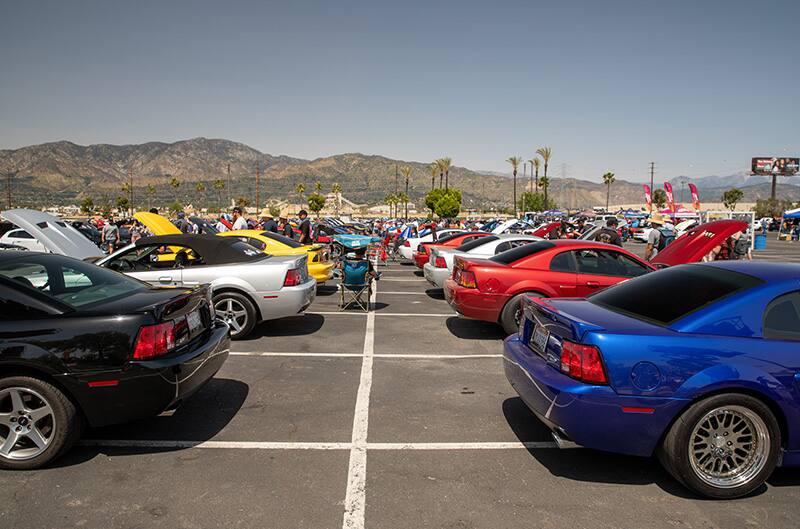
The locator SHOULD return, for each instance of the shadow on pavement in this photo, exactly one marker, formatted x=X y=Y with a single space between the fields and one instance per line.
x=435 y=293
x=199 y=419
x=419 y=273
x=474 y=329
x=327 y=290
x=593 y=466
x=292 y=326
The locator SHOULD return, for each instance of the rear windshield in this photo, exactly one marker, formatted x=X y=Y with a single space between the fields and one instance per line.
x=449 y=237
x=282 y=239
x=515 y=254
x=467 y=246
x=670 y=294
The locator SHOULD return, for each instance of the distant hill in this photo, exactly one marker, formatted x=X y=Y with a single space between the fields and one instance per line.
x=63 y=172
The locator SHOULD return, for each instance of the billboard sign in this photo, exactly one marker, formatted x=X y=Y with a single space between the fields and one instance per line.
x=777 y=166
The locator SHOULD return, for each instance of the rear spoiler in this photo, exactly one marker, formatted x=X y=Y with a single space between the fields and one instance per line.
x=576 y=327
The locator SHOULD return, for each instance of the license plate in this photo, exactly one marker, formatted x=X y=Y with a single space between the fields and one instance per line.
x=540 y=337
x=194 y=320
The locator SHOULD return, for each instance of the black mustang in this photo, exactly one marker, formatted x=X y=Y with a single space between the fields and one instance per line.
x=82 y=344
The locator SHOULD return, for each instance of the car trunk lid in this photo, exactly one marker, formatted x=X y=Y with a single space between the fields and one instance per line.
x=696 y=243
x=156 y=224
x=55 y=234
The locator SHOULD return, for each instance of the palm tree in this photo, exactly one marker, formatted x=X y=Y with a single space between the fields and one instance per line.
x=200 y=187
x=151 y=190
x=544 y=183
x=336 y=189
x=447 y=164
x=219 y=185
x=608 y=179
x=406 y=170
x=546 y=153
x=175 y=184
x=300 y=189
x=515 y=161
x=440 y=165
x=434 y=170
x=535 y=164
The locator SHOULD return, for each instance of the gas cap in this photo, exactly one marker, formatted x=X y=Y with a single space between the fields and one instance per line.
x=645 y=376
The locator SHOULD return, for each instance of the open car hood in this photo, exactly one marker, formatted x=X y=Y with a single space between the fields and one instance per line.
x=157 y=224
x=55 y=234
x=698 y=242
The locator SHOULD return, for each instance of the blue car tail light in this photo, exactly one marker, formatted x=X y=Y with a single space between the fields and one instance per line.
x=582 y=362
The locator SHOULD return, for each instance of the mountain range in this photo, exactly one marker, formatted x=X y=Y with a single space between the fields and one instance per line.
x=63 y=172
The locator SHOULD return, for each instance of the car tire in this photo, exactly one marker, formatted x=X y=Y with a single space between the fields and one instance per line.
x=59 y=424
x=721 y=466
x=509 y=316
x=238 y=312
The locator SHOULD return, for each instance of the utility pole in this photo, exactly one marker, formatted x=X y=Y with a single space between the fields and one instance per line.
x=525 y=173
x=396 y=189
x=229 y=184
x=9 y=176
x=258 y=185
x=652 y=186
x=130 y=190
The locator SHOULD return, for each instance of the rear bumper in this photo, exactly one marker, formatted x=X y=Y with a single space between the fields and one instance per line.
x=435 y=276
x=420 y=259
x=472 y=303
x=321 y=272
x=406 y=253
x=591 y=416
x=287 y=301
x=147 y=388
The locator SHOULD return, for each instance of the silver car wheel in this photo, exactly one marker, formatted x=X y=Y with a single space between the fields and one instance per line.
x=232 y=312
x=27 y=423
x=729 y=446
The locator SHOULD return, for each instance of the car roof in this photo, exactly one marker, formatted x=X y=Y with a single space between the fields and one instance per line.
x=772 y=272
x=214 y=249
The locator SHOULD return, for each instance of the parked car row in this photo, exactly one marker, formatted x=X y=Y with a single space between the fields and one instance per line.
x=695 y=363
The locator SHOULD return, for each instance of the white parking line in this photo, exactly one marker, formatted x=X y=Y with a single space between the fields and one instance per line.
x=428 y=314
x=410 y=279
x=462 y=446
x=279 y=445
x=355 y=497
x=437 y=357
x=422 y=356
x=334 y=355
x=405 y=293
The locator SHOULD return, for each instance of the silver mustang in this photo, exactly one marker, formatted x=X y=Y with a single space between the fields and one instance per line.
x=248 y=286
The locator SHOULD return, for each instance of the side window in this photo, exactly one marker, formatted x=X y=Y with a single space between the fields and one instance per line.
x=588 y=261
x=468 y=239
x=517 y=244
x=502 y=247
x=620 y=264
x=563 y=262
x=32 y=275
x=74 y=279
x=255 y=243
x=20 y=234
x=782 y=318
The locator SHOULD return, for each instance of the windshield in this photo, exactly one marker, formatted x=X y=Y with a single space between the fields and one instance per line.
x=670 y=294
x=480 y=241
x=281 y=239
x=74 y=283
x=515 y=254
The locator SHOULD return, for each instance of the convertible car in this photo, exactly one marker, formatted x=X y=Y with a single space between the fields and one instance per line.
x=80 y=344
x=320 y=265
x=440 y=263
x=454 y=240
x=249 y=286
x=492 y=289
x=698 y=364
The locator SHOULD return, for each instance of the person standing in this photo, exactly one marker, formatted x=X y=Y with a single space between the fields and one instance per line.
x=183 y=224
x=654 y=237
x=609 y=234
x=284 y=228
x=305 y=228
x=239 y=222
x=110 y=234
x=269 y=224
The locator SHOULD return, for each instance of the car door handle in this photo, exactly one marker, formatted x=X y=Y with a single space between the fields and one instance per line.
x=165 y=279
x=592 y=284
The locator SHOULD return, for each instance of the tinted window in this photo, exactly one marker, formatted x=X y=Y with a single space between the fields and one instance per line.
x=20 y=234
x=672 y=293
x=449 y=237
x=502 y=247
x=563 y=262
x=281 y=239
x=782 y=318
x=476 y=242
x=523 y=251
x=608 y=263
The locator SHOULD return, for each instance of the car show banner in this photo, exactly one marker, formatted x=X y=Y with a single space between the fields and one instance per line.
x=670 y=197
x=695 y=197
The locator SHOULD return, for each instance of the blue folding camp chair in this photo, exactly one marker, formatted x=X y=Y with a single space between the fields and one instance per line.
x=356 y=285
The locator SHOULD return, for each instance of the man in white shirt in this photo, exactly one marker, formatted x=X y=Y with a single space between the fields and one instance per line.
x=239 y=222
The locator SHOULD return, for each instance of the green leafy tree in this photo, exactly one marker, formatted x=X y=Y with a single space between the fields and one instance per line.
x=336 y=189
x=767 y=207
x=105 y=209
x=300 y=189
x=87 y=205
x=242 y=201
x=317 y=186
x=535 y=202
x=122 y=203
x=659 y=198
x=219 y=185
x=200 y=187
x=433 y=196
x=731 y=197
x=174 y=183
x=175 y=208
x=515 y=161
x=449 y=205
x=608 y=179
x=316 y=201
x=546 y=154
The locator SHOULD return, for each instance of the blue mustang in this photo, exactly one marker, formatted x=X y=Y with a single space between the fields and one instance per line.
x=698 y=364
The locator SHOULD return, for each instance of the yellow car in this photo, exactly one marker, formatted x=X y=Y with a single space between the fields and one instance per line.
x=320 y=266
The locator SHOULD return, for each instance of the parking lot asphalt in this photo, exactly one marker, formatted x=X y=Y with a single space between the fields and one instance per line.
x=399 y=418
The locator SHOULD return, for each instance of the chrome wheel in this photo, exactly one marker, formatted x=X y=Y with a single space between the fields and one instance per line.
x=27 y=423
x=233 y=312
x=729 y=446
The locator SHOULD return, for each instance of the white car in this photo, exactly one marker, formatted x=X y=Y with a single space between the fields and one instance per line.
x=440 y=263
x=410 y=245
x=44 y=232
x=20 y=237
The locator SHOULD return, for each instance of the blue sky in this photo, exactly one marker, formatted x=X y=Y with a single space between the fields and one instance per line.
x=696 y=86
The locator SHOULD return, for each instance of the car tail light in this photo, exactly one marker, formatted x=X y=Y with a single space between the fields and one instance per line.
x=466 y=279
x=407 y=244
x=582 y=362
x=154 y=340
x=440 y=262
x=293 y=278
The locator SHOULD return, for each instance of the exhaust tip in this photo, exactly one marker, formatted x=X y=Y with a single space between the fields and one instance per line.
x=562 y=439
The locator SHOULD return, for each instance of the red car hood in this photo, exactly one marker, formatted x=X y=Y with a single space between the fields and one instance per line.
x=546 y=229
x=698 y=242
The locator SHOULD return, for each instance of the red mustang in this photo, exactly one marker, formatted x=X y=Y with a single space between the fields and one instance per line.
x=491 y=289
x=422 y=254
